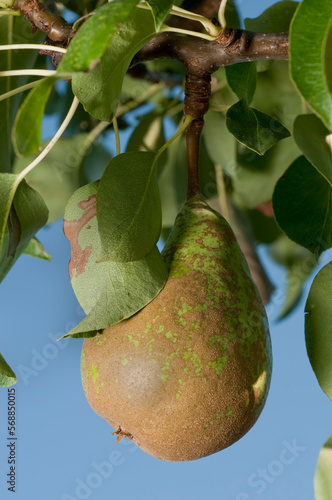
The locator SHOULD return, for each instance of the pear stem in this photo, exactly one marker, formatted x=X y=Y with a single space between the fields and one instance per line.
x=193 y=134
x=196 y=104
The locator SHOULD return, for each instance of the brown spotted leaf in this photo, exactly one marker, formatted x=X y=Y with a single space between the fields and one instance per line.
x=108 y=291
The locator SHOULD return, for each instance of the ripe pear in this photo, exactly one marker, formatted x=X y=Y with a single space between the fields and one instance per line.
x=188 y=375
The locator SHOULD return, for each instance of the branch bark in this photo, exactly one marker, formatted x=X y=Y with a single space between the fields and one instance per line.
x=203 y=57
x=199 y=56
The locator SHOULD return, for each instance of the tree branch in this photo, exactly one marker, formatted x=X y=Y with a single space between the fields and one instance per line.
x=199 y=56
x=202 y=56
x=40 y=17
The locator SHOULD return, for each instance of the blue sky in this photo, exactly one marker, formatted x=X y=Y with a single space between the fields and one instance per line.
x=65 y=451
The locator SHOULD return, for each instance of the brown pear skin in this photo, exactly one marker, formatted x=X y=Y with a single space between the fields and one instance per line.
x=188 y=375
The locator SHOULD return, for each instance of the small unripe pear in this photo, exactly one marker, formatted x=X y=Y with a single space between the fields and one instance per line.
x=188 y=375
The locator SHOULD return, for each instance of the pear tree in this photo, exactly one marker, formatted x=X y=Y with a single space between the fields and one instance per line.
x=237 y=113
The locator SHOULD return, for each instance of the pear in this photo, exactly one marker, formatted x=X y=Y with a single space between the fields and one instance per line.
x=188 y=375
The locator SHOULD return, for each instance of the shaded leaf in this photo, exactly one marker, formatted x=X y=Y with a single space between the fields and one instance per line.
x=172 y=181
x=26 y=132
x=148 y=135
x=13 y=30
x=128 y=207
x=60 y=173
x=245 y=238
x=264 y=227
x=21 y=217
x=90 y=43
x=219 y=142
x=231 y=15
x=256 y=176
x=160 y=10
x=323 y=476
x=299 y=263
x=318 y=328
x=274 y=19
x=7 y=376
x=99 y=90
x=256 y=130
x=304 y=213
x=241 y=78
x=314 y=140
x=108 y=291
x=35 y=249
x=309 y=35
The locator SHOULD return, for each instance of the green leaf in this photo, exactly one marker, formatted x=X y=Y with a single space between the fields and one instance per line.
x=309 y=53
x=318 y=328
x=128 y=207
x=128 y=288
x=172 y=181
x=323 y=476
x=299 y=263
x=90 y=43
x=256 y=130
x=13 y=30
x=160 y=10
x=108 y=291
x=231 y=15
x=241 y=78
x=148 y=135
x=304 y=213
x=99 y=90
x=7 y=376
x=35 y=249
x=256 y=176
x=26 y=133
x=22 y=213
x=314 y=140
x=7 y=190
x=219 y=143
x=274 y=19
x=59 y=173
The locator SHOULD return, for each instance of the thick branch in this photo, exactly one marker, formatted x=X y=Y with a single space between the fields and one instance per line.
x=40 y=17
x=203 y=57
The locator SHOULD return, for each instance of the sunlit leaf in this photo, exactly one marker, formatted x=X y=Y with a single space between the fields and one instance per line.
x=108 y=291
x=7 y=376
x=99 y=90
x=128 y=207
x=315 y=141
x=323 y=476
x=35 y=249
x=92 y=39
x=128 y=287
x=318 y=328
x=309 y=51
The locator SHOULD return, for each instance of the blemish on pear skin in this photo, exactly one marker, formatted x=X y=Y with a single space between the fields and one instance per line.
x=125 y=361
x=99 y=387
x=93 y=373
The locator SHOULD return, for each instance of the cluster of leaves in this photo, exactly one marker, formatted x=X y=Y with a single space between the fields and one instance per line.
x=266 y=142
